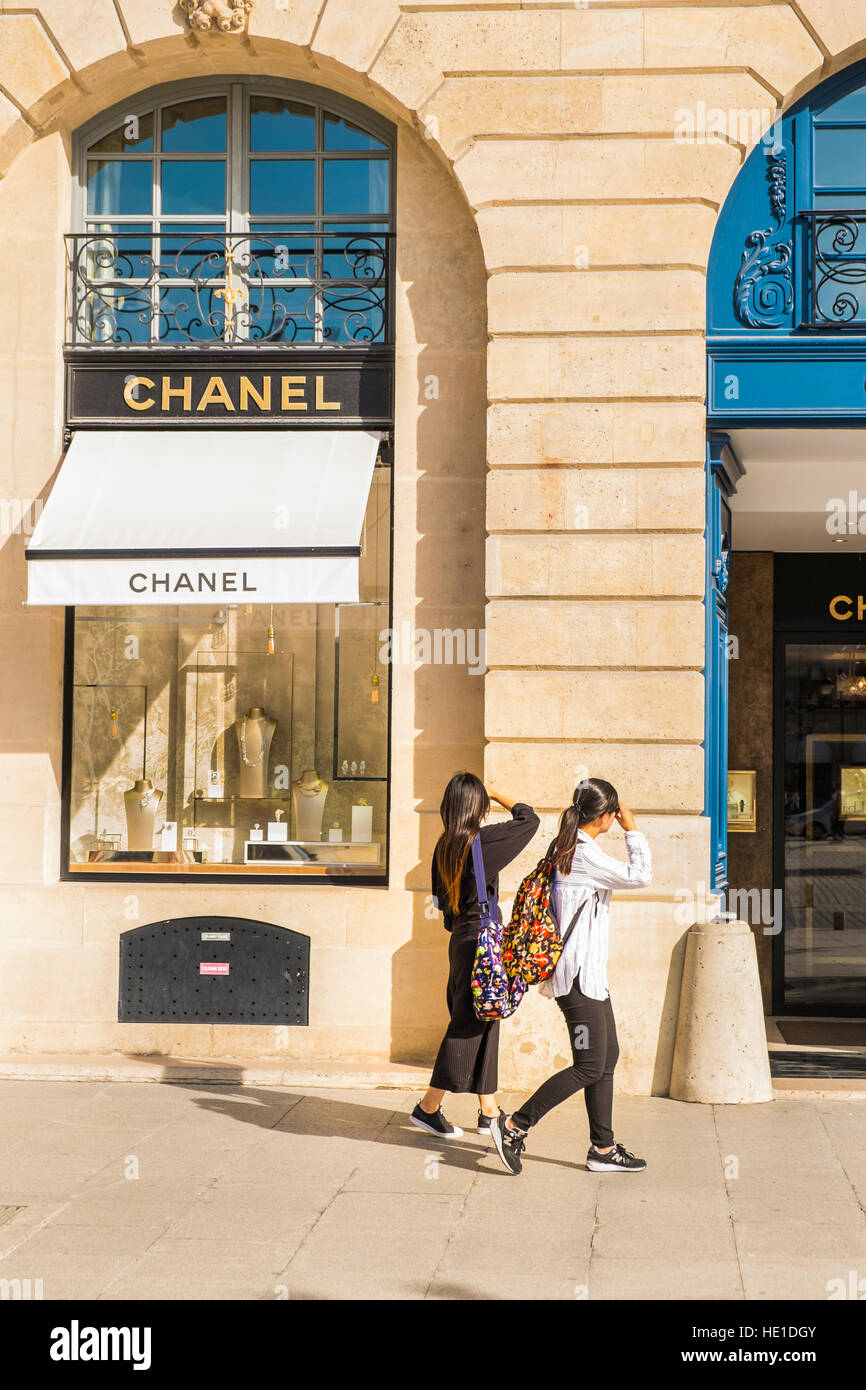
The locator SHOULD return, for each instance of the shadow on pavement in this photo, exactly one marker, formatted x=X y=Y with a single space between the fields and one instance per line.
x=312 y=1114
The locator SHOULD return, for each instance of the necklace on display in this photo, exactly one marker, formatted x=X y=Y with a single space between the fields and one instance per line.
x=243 y=743
x=146 y=799
x=312 y=790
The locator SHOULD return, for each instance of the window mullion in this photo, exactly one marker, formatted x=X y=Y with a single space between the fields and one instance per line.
x=156 y=223
x=236 y=213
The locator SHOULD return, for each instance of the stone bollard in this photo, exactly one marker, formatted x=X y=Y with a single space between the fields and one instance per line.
x=720 y=1053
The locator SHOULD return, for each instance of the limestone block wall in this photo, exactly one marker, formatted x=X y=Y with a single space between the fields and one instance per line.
x=552 y=219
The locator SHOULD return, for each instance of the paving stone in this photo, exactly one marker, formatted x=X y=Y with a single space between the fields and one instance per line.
x=75 y=1239
x=798 y=1240
x=806 y=1278
x=532 y=1285
x=354 y=1285
x=618 y=1278
x=82 y=1275
x=133 y=1289
x=637 y=1203
x=223 y=1261
x=228 y=1223
x=659 y=1240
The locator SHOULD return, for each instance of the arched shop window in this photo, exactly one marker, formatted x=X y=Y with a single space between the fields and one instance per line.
x=220 y=531
x=234 y=213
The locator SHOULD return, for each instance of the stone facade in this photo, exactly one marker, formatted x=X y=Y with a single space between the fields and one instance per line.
x=550 y=222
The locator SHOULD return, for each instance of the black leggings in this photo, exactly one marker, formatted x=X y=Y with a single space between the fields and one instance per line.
x=595 y=1050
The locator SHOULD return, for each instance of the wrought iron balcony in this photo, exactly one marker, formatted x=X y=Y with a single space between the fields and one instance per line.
x=204 y=289
x=836 y=256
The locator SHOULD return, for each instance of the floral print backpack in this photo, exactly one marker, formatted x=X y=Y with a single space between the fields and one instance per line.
x=495 y=993
x=531 y=944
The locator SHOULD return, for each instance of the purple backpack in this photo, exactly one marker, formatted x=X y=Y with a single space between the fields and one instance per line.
x=494 y=995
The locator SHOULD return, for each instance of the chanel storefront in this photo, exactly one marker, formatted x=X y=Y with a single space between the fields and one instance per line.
x=220 y=529
x=200 y=816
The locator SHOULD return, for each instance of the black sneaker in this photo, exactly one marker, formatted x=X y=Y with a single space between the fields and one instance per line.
x=435 y=1124
x=618 y=1160
x=484 y=1122
x=509 y=1142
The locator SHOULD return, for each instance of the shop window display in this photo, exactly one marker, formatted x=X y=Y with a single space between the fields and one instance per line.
x=238 y=739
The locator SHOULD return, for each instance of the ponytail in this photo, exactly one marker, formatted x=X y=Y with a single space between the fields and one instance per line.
x=592 y=799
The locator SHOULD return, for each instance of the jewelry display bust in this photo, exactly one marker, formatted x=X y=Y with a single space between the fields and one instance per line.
x=142 y=803
x=308 y=797
x=254 y=732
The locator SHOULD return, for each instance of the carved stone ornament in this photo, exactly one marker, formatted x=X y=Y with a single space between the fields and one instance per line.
x=217 y=16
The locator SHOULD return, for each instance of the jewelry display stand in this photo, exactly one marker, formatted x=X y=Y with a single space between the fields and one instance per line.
x=254 y=732
x=142 y=803
x=308 y=797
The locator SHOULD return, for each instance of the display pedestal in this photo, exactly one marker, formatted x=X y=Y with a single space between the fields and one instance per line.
x=312 y=852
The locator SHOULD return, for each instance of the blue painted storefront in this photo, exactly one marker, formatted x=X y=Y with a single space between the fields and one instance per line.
x=786 y=334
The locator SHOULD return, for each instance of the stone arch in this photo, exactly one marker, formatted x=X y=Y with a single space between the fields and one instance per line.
x=54 y=96
x=439 y=472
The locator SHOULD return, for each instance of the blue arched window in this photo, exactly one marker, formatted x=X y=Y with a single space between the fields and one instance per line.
x=789 y=254
x=233 y=212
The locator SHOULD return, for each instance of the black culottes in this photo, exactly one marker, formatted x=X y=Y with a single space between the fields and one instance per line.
x=468 y=1058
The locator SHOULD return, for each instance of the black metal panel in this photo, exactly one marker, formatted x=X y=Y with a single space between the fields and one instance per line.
x=254 y=973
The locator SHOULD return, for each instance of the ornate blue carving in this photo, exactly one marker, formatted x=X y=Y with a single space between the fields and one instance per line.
x=764 y=287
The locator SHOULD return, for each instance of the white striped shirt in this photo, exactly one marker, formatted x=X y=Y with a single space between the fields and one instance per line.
x=586 y=891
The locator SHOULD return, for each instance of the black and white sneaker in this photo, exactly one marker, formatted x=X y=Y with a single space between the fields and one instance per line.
x=435 y=1124
x=618 y=1160
x=484 y=1123
x=509 y=1142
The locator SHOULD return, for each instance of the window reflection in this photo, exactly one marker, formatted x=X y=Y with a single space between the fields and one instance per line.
x=134 y=136
x=341 y=135
x=280 y=186
x=115 y=186
x=194 y=186
x=277 y=124
x=195 y=126
x=356 y=185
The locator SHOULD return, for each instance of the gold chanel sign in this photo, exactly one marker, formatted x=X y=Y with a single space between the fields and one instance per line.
x=289 y=393
x=842 y=607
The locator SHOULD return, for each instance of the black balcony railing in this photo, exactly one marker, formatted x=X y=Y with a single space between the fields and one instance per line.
x=837 y=269
x=215 y=289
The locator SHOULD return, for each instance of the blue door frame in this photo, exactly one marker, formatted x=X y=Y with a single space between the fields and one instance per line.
x=723 y=470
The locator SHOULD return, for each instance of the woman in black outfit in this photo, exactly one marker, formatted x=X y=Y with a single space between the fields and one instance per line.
x=468 y=1058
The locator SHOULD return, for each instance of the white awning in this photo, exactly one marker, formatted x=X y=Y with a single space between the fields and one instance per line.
x=180 y=517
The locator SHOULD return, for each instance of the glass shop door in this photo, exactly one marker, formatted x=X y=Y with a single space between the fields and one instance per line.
x=824 y=829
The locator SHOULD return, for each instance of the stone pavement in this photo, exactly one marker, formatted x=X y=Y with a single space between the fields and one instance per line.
x=255 y=1192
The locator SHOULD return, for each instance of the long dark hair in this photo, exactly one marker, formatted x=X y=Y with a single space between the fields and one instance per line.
x=465 y=803
x=592 y=798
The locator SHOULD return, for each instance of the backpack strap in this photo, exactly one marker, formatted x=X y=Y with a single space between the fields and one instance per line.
x=489 y=909
x=571 y=924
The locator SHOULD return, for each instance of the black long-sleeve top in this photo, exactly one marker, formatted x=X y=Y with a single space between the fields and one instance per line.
x=500 y=843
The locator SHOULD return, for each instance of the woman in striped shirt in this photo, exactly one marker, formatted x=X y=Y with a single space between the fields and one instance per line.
x=583 y=883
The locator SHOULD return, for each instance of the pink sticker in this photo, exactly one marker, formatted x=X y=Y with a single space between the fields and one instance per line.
x=214 y=967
